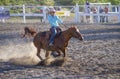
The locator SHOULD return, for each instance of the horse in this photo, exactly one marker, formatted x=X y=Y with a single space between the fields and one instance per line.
x=41 y=40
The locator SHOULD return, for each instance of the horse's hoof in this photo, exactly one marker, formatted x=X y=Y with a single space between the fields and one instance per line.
x=41 y=63
x=59 y=61
x=38 y=64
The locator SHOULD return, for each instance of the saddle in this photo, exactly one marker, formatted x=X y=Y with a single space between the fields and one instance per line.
x=59 y=31
x=48 y=34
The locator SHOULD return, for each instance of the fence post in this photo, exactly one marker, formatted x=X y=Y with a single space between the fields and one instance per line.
x=2 y=19
x=44 y=14
x=76 y=13
x=24 y=17
x=98 y=14
x=119 y=13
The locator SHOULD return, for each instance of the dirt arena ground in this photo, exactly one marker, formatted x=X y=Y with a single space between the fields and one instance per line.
x=97 y=57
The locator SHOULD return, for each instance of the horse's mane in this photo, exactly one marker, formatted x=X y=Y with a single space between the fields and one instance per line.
x=29 y=31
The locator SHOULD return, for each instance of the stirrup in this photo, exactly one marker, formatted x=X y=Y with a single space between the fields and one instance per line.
x=51 y=44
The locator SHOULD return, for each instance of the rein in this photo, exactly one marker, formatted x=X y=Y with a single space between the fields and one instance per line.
x=64 y=25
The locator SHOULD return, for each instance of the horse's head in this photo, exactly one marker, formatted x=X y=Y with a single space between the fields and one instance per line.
x=76 y=33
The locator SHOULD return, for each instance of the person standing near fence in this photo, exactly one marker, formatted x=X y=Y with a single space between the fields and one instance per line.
x=95 y=17
x=87 y=7
x=54 y=21
x=87 y=10
x=106 y=12
x=101 y=10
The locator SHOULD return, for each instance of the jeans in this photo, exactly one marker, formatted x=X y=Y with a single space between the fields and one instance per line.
x=54 y=32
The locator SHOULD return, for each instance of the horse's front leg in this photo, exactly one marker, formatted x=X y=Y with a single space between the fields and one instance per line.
x=47 y=55
x=64 y=53
x=38 y=53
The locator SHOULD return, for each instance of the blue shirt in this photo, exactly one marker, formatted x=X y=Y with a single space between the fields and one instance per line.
x=54 y=20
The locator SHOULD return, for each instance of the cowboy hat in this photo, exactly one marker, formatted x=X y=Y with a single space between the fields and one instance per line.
x=52 y=10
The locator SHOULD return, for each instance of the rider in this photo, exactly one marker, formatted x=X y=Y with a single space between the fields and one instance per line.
x=53 y=20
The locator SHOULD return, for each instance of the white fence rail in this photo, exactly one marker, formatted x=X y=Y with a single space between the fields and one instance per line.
x=81 y=15
x=78 y=12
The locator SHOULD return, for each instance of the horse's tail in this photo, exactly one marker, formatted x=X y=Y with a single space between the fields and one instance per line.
x=30 y=32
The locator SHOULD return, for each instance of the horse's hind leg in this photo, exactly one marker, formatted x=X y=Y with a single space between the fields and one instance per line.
x=38 y=53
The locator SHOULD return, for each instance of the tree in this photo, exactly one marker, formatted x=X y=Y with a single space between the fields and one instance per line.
x=52 y=2
x=115 y=2
x=26 y=2
x=63 y=2
x=46 y=2
x=82 y=2
x=78 y=1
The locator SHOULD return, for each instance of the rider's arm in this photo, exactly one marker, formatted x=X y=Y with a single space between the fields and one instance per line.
x=59 y=20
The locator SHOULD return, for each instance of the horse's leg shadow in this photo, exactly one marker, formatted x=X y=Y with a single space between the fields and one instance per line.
x=59 y=61
x=53 y=61
x=41 y=63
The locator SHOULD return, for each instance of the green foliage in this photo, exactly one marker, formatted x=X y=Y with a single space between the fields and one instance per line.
x=64 y=2
x=52 y=2
x=46 y=2
x=115 y=2
x=82 y=2
x=26 y=2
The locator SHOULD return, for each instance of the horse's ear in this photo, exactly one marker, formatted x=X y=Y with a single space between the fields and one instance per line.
x=72 y=26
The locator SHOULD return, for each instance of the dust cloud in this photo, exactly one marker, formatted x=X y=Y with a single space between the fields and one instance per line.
x=19 y=51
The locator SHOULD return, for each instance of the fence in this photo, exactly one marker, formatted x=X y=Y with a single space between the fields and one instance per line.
x=4 y=14
x=76 y=13
x=81 y=15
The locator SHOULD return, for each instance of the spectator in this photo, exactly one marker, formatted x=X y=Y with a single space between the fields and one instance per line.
x=87 y=10
x=41 y=11
x=59 y=8
x=101 y=17
x=95 y=17
x=106 y=12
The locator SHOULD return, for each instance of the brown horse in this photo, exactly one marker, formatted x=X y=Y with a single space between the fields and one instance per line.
x=41 y=40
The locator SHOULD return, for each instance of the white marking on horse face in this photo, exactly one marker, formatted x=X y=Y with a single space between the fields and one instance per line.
x=77 y=30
